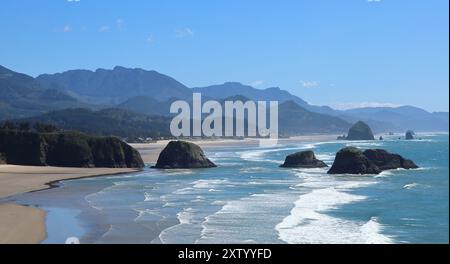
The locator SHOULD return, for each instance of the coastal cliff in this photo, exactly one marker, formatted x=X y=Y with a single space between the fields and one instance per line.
x=66 y=149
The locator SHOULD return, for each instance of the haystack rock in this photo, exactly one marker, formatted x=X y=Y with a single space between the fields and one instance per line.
x=360 y=131
x=183 y=155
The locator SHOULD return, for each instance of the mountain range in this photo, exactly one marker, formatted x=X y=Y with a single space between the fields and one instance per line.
x=21 y=95
x=150 y=93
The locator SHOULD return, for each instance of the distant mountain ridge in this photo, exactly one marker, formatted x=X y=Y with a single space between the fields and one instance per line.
x=228 y=89
x=404 y=117
x=116 y=85
x=21 y=95
x=151 y=93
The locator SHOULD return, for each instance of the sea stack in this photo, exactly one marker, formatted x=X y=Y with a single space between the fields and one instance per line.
x=409 y=135
x=360 y=131
x=351 y=160
x=303 y=159
x=182 y=155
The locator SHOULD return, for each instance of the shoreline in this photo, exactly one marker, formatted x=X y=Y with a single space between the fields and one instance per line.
x=32 y=220
x=25 y=224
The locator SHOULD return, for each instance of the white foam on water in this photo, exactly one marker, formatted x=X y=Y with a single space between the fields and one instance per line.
x=258 y=155
x=186 y=231
x=325 y=157
x=210 y=184
x=246 y=220
x=187 y=190
x=410 y=186
x=147 y=197
x=146 y=214
x=309 y=222
x=252 y=170
x=364 y=144
x=186 y=216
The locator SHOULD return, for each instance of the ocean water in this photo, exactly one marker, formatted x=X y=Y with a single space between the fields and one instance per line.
x=249 y=199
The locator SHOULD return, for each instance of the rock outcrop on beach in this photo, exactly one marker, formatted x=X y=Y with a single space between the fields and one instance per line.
x=409 y=135
x=182 y=155
x=67 y=149
x=351 y=160
x=303 y=159
x=360 y=131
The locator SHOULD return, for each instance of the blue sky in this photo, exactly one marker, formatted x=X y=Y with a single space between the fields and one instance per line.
x=329 y=52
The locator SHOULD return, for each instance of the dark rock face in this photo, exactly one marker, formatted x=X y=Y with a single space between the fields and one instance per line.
x=352 y=160
x=409 y=135
x=183 y=155
x=388 y=161
x=67 y=149
x=360 y=131
x=303 y=159
x=2 y=159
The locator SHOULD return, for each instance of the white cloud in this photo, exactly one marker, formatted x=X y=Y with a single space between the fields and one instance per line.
x=67 y=28
x=73 y=0
x=309 y=84
x=256 y=83
x=373 y=1
x=103 y=29
x=184 y=33
x=346 y=106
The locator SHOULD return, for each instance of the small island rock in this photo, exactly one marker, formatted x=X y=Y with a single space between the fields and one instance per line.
x=351 y=160
x=303 y=159
x=409 y=135
x=182 y=155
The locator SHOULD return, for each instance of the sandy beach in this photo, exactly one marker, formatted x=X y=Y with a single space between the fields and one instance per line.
x=26 y=224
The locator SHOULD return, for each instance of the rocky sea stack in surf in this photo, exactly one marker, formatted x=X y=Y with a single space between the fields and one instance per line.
x=351 y=160
x=409 y=135
x=360 y=131
x=67 y=149
x=183 y=155
x=303 y=159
